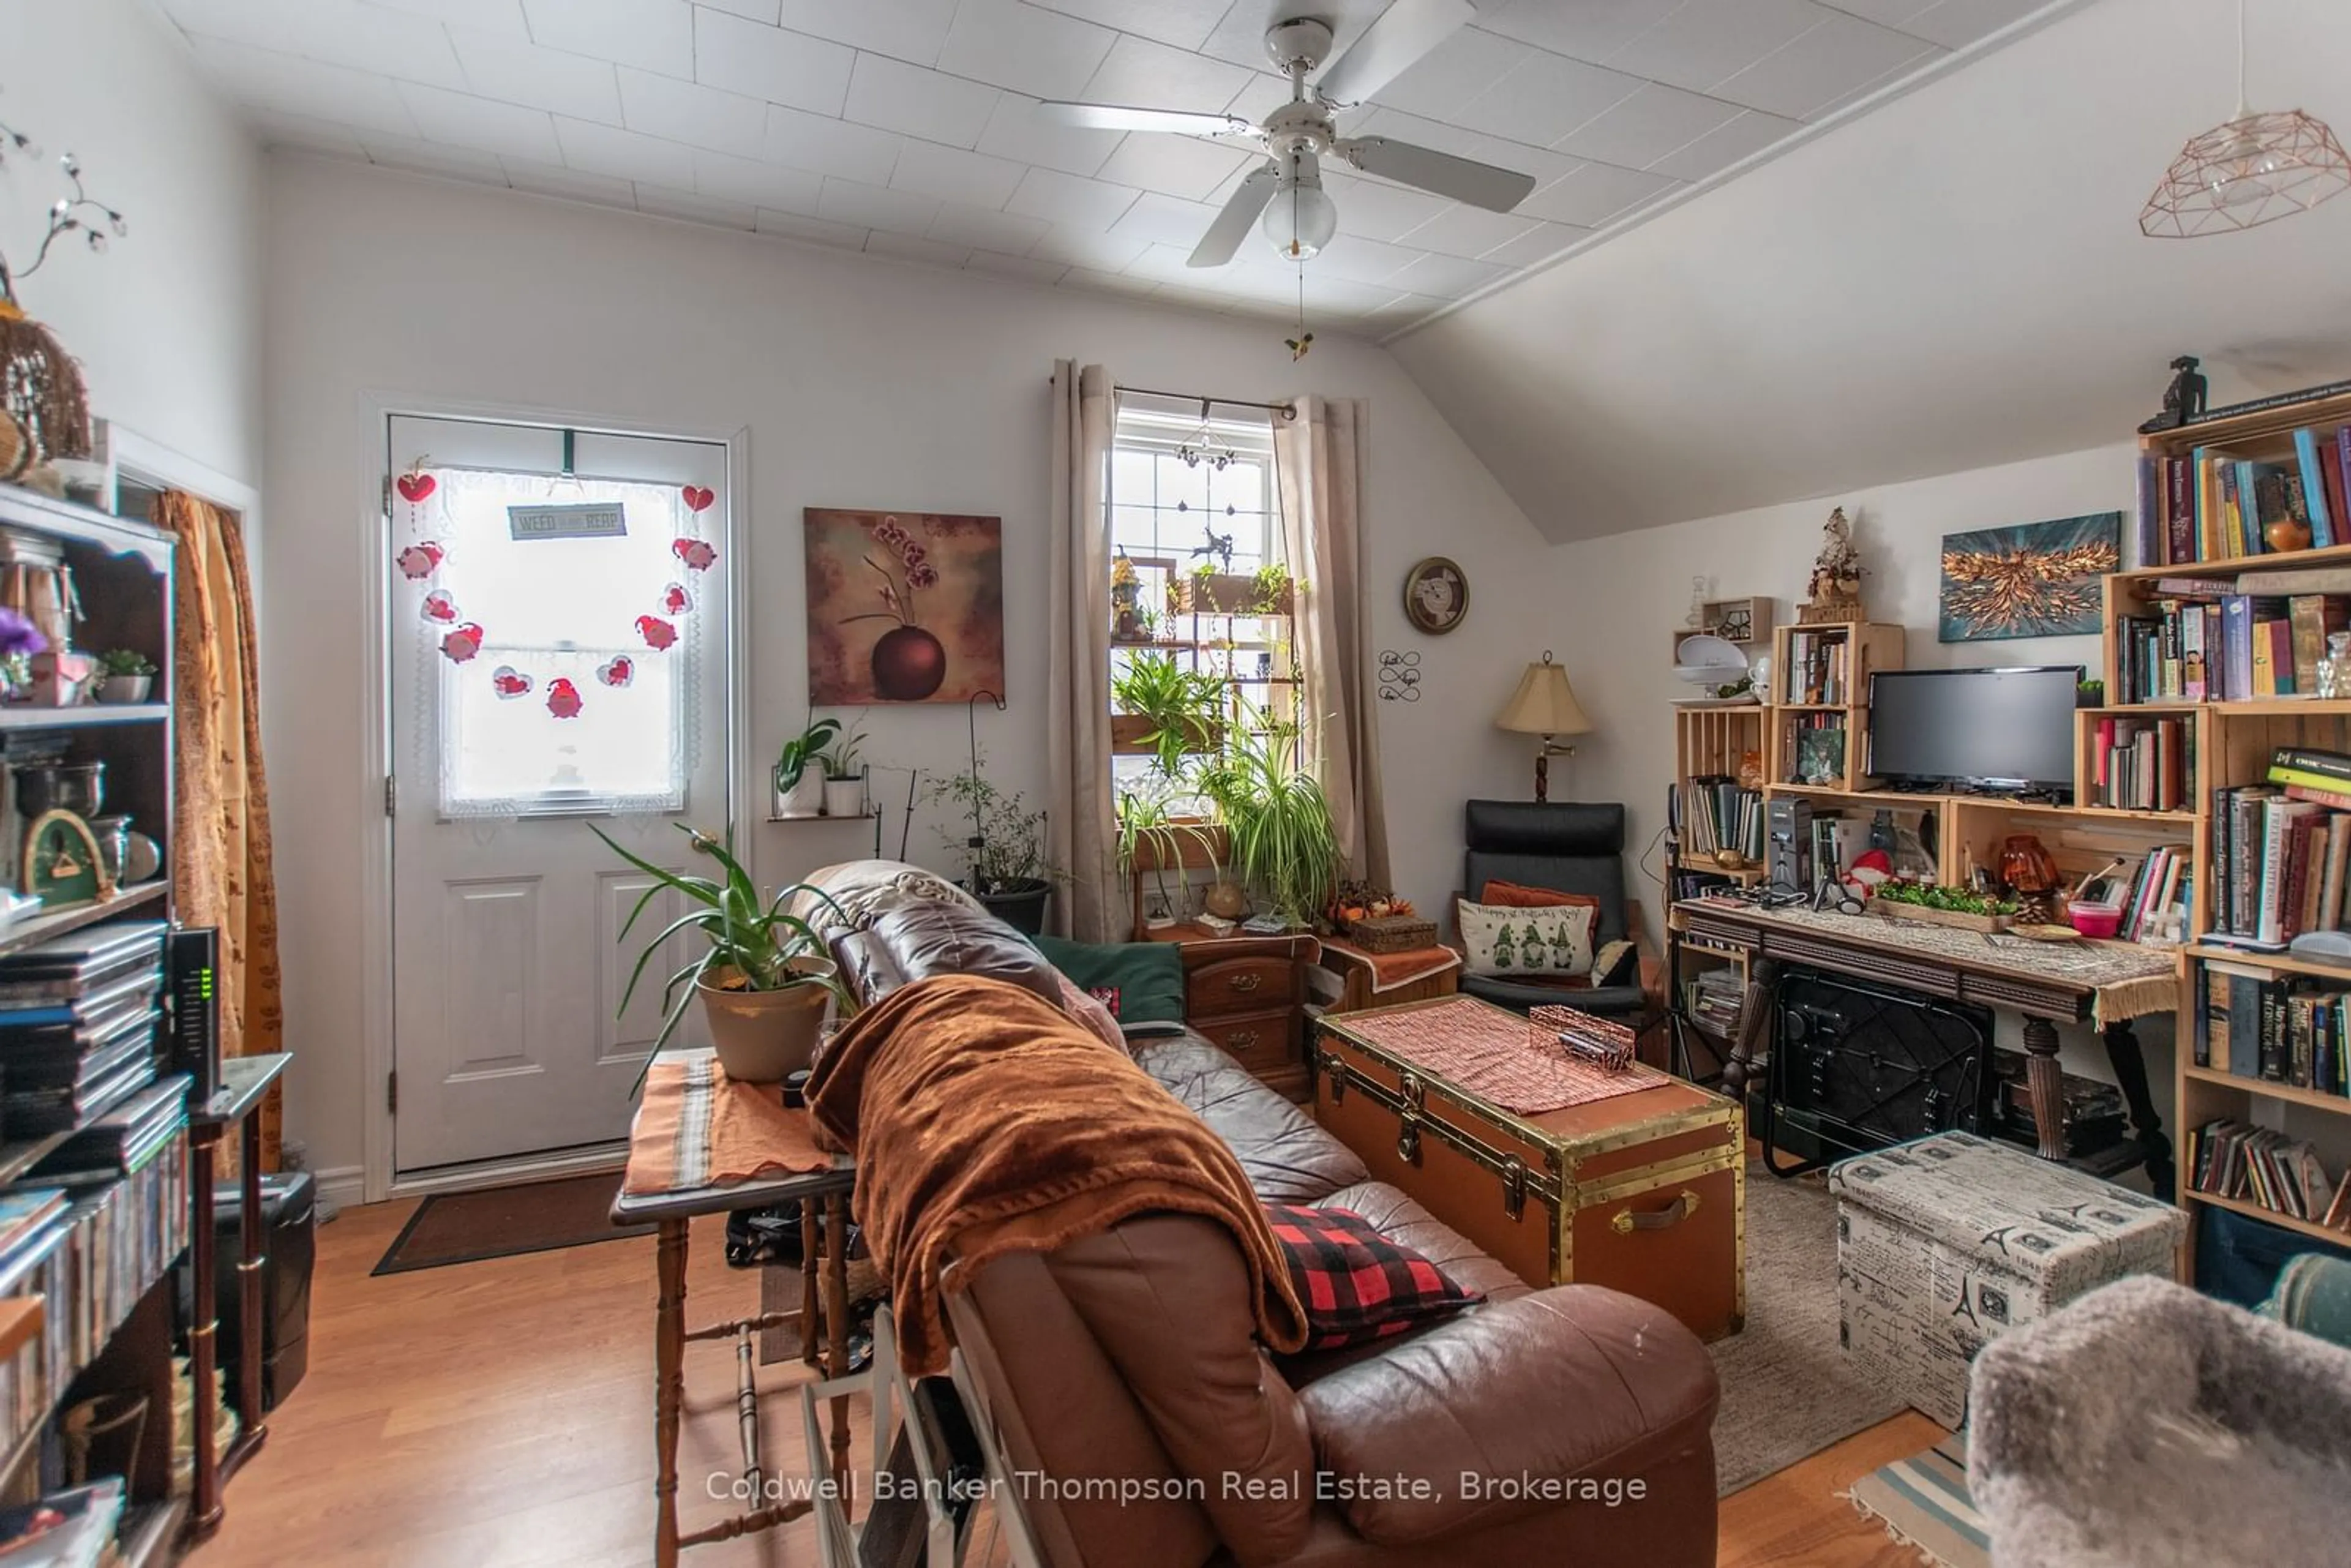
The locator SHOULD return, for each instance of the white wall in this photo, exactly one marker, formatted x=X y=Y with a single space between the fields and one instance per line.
x=167 y=323
x=864 y=383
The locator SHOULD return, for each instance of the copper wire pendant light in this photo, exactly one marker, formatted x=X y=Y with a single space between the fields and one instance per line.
x=2254 y=169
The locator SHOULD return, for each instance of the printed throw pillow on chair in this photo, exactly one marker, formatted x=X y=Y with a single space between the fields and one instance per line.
x=1513 y=942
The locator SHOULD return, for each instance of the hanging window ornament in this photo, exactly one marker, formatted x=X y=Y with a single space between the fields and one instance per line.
x=562 y=698
x=1305 y=339
x=1206 y=446
x=698 y=554
x=420 y=560
x=675 y=600
x=696 y=497
x=509 y=683
x=617 y=670
x=462 y=644
x=439 y=608
x=657 y=633
x=416 y=486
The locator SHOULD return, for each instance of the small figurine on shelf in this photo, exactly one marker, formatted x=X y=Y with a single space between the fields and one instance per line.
x=2334 y=670
x=2183 y=400
x=1834 y=592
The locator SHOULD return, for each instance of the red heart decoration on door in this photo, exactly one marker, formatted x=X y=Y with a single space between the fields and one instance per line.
x=509 y=681
x=463 y=643
x=696 y=553
x=562 y=698
x=698 y=500
x=414 y=487
x=657 y=633
x=439 y=608
x=675 y=600
x=617 y=670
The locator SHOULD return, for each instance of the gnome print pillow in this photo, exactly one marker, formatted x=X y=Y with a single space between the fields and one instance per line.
x=1504 y=941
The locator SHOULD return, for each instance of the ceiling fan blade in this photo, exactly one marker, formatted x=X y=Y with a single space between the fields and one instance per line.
x=1441 y=173
x=1392 y=46
x=1118 y=117
x=1232 y=226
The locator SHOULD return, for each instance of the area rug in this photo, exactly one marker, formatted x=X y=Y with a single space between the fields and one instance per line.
x=1923 y=1503
x=501 y=1222
x=1787 y=1392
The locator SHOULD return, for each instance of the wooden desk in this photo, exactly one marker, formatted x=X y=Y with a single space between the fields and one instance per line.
x=2107 y=984
x=824 y=1311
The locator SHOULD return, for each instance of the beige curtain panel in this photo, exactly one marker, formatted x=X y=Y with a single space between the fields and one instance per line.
x=220 y=829
x=1319 y=459
x=1081 y=822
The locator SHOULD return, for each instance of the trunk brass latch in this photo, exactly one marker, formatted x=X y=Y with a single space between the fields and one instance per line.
x=1337 y=1068
x=1408 y=1118
x=1514 y=1187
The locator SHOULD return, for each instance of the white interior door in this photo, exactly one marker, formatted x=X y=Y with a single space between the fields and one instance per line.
x=559 y=657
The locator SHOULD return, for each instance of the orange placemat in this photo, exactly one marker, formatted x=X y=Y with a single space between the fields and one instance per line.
x=696 y=1127
x=1493 y=1054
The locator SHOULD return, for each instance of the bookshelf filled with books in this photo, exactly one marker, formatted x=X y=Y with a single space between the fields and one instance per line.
x=1819 y=727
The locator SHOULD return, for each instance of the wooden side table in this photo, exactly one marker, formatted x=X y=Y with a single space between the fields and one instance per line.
x=823 y=1199
x=1247 y=995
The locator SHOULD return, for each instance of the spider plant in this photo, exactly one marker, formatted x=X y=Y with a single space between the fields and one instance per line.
x=1182 y=704
x=1148 y=817
x=1280 y=839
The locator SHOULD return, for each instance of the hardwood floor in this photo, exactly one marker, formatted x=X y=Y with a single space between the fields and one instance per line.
x=499 y=1414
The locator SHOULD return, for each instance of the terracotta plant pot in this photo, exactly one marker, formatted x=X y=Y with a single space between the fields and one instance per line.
x=1224 y=900
x=763 y=1036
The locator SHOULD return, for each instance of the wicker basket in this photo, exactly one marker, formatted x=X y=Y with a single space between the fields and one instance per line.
x=1392 y=933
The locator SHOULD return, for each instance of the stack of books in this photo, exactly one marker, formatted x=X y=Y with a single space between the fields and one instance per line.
x=1716 y=814
x=2262 y=1166
x=2280 y=853
x=2210 y=639
x=2144 y=765
x=2215 y=504
x=78 y=1026
x=2282 y=1028
x=1818 y=672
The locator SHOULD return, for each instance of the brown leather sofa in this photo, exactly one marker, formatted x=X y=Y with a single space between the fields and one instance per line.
x=1148 y=1429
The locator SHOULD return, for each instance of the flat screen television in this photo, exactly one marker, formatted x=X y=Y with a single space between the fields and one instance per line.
x=1991 y=729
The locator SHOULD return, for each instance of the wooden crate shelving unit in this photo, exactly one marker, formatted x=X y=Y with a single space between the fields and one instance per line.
x=1745 y=623
x=1711 y=742
x=1867 y=647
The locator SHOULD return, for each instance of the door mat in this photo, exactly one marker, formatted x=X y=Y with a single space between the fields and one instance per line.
x=502 y=1222
x=1923 y=1503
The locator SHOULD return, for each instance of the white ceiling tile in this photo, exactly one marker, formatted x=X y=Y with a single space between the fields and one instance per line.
x=340 y=32
x=689 y=112
x=1544 y=97
x=1399 y=126
x=1376 y=210
x=1469 y=232
x=1041 y=53
x=521 y=72
x=553 y=180
x=1014 y=132
x=1176 y=165
x=1108 y=282
x=1450 y=75
x=461 y=119
x=1743 y=136
x=1647 y=126
x=624 y=155
x=1531 y=249
x=914 y=247
x=1153 y=75
x=657 y=35
x=952 y=174
x=873 y=207
x=1864 y=89
x=1447 y=277
x=304 y=135
x=1165 y=220
x=791 y=225
x=1707 y=40
x=1258 y=97
x=1026 y=268
x=434 y=158
x=1885 y=13
x=910 y=30
x=757 y=182
x=1165 y=264
x=1593 y=194
x=830 y=146
x=1186 y=24
x=772 y=12
x=983 y=229
x=1956 y=24
x=1823 y=66
x=1358 y=260
x=294 y=86
x=1071 y=200
x=919 y=101
x=769 y=63
x=1336 y=296
x=484 y=16
x=1089 y=248
x=1403 y=311
x=664 y=202
x=1586 y=29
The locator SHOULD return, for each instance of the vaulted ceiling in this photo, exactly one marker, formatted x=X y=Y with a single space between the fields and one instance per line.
x=903 y=128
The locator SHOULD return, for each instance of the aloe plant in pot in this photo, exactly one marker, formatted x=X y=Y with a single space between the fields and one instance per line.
x=764 y=979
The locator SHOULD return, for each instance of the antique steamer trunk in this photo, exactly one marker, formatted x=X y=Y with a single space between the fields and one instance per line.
x=1644 y=1193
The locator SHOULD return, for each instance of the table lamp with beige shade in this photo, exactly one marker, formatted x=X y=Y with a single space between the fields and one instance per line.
x=1544 y=705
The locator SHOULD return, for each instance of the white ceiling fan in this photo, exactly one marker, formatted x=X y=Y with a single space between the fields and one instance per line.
x=1300 y=219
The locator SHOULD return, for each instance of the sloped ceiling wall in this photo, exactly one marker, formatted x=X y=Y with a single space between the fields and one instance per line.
x=1956 y=280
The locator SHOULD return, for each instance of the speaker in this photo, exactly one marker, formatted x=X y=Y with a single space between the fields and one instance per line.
x=1788 y=831
x=190 y=955
x=1860 y=1066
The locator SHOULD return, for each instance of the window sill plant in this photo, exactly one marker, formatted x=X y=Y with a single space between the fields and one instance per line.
x=1281 y=842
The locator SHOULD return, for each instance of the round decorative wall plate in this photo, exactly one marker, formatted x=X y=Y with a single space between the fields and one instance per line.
x=1436 y=595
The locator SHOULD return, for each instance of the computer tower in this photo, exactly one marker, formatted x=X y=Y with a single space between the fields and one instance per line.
x=1788 y=833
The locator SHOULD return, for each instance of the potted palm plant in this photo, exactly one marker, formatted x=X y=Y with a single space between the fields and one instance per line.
x=1279 y=839
x=800 y=779
x=764 y=979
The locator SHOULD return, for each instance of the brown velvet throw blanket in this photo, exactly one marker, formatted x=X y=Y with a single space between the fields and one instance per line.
x=985 y=1120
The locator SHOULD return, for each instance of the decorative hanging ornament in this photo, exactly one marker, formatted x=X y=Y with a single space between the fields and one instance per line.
x=675 y=600
x=617 y=670
x=509 y=683
x=697 y=499
x=415 y=485
x=420 y=560
x=439 y=608
x=562 y=698
x=460 y=644
x=698 y=554
x=657 y=633
x=42 y=393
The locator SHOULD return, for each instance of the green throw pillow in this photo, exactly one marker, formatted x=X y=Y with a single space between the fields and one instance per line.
x=1140 y=982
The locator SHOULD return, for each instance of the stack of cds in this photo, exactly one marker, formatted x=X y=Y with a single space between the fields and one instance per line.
x=78 y=1026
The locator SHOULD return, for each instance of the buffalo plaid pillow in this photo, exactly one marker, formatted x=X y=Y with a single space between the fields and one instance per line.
x=1358 y=1285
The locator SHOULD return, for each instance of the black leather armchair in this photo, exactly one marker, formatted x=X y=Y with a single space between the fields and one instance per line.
x=1570 y=848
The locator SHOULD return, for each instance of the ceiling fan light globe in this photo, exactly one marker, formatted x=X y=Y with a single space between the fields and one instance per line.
x=1299 y=220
